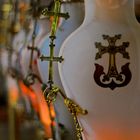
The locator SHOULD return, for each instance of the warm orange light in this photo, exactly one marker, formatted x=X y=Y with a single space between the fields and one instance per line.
x=30 y=93
x=40 y=105
x=116 y=131
x=52 y=111
x=44 y=114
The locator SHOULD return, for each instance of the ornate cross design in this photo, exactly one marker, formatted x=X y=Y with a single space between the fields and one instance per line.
x=112 y=49
x=51 y=59
x=45 y=12
x=56 y=14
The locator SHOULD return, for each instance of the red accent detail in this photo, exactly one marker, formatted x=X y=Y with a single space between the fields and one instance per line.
x=35 y=61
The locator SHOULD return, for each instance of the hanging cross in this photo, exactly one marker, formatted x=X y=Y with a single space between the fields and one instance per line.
x=56 y=14
x=32 y=49
x=51 y=59
x=45 y=12
x=112 y=49
x=35 y=13
x=35 y=10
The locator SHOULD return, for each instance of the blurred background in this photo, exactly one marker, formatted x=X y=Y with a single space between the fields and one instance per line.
x=24 y=114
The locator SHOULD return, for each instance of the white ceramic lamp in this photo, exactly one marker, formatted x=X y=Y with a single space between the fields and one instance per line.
x=101 y=68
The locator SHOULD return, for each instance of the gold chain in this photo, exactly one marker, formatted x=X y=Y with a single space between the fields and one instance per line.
x=73 y=108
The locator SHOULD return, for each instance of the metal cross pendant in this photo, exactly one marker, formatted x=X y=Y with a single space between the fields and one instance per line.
x=56 y=14
x=51 y=59
x=112 y=73
x=32 y=49
x=30 y=78
x=46 y=12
